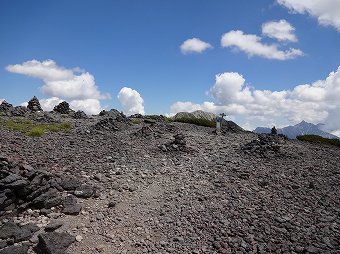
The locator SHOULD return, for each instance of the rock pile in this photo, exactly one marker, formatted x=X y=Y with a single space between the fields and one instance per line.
x=23 y=187
x=79 y=115
x=8 y=109
x=265 y=146
x=34 y=105
x=108 y=124
x=114 y=114
x=5 y=107
x=62 y=108
x=179 y=144
x=18 y=111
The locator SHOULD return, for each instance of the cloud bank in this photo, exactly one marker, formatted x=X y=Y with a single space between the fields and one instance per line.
x=194 y=45
x=74 y=85
x=326 y=11
x=316 y=102
x=131 y=101
x=252 y=45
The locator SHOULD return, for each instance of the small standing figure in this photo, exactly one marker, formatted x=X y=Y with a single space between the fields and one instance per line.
x=274 y=131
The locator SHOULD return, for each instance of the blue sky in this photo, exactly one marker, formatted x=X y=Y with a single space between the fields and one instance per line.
x=136 y=44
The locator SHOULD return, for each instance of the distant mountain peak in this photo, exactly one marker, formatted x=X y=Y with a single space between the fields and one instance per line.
x=302 y=128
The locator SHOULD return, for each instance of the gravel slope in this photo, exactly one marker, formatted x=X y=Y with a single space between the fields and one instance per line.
x=213 y=198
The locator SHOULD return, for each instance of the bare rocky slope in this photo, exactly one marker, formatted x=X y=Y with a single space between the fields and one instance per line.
x=123 y=187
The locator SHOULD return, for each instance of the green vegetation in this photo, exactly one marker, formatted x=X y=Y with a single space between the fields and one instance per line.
x=196 y=121
x=318 y=139
x=34 y=129
x=135 y=121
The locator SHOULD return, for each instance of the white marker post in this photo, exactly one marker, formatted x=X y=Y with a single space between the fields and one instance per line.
x=219 y=121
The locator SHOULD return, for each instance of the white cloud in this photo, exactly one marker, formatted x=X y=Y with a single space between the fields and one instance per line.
x=316 y=102
x=45 y=70
x=280 y=30
x=194 y=45
x=252 y=45
x=1 y=100
x=89 y=106
x=131 y=101
x=326 y=11
x=48 y=104
x=73 y=84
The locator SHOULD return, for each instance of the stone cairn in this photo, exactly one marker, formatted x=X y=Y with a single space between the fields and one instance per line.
x=34 y=105
x=62 y=108
x=79 y=115
x=264 y=146
x=23 y=188
x=179 y=144
x=5 y=107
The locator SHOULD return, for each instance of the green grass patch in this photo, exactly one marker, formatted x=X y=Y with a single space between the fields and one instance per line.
x=319 y=139
x=36 y=132
x=196 y=121
x=136 y=121
x=34 y=129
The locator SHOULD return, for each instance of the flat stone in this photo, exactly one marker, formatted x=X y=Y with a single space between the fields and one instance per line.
x=54 y=243
x=53 y=226
x=71 y=206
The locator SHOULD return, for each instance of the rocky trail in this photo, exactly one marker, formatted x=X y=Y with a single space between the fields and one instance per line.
x=123 y=187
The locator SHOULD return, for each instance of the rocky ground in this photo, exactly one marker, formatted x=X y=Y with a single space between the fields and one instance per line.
x=132 y=187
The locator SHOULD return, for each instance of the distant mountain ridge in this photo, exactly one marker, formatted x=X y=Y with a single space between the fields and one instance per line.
x=299 y=129
x=199 y=114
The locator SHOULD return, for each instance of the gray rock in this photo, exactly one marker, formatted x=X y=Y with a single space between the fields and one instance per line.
x=70 y=183
x=15 y=250
x=54 y=243
x=70 y=205
x=84 y=191
x=53 y=226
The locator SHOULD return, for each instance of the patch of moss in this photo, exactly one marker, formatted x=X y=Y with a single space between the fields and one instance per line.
x=319 y=139
x=34 y=129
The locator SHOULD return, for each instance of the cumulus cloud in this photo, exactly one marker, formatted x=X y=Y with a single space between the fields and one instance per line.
x=48 y=104
x=194 y=45
x=131 y=101
x=316 y=102
x=89 y=106
x=280 y=30
x=251 y=44
x=326 y=11
x=60 y=82
x=73 y=85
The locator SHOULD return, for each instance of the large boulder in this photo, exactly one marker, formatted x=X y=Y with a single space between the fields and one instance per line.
x=34 y=105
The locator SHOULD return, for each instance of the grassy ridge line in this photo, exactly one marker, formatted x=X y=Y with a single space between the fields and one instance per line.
x=196 y=121
x=319 y=139
x=34 y=129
